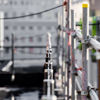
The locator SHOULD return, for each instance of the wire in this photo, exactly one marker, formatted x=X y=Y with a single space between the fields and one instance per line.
x=32 y=14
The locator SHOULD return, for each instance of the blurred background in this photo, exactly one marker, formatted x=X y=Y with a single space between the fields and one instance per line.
x=27 y=46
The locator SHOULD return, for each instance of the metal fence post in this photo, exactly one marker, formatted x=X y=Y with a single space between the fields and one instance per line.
x=1 y=31
x=12 y=67
x=12 y=53
x=84 y=52
x=98 y=63
x=73 y=55
x=68 y=25
x=98 y=58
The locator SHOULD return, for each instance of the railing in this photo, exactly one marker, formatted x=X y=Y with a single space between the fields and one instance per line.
x=85 y=88
x=80 y=82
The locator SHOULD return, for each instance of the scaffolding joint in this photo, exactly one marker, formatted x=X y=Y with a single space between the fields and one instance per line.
x=86 y=41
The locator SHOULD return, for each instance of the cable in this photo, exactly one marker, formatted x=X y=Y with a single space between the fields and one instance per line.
x=17 y=17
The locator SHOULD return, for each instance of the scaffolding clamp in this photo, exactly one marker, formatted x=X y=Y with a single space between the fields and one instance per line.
x=84 y=93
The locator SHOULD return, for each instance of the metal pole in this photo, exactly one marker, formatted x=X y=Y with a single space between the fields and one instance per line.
x=58 y=42
x=1 y=31
x=12 y=67
x=85 y=31
x=73 y=56
x=98 y=29
x=98 y=59
x=69 y=14
x=64 y=59
x=48 y=74
x=68 y=49
x=98 y=62
x=12 y=53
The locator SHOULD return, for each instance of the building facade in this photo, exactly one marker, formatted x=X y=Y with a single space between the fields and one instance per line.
x=28 y=31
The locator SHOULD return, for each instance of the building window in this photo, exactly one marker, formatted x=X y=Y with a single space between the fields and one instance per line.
x=22 y=2
x=7 y=50
x=14 y=14
x=39 y=27
x=22 y=39
x=15 y=3
x=49 y=27
x=15 y=27
x=6 y=14
x=32 y=15
x=31 y=39
x=22 y=27
x=22 y=50
x=31 y=50
x=15 y=39
x=27 y=3
x=39 y=39
x=30 y=27
x=10 y=2
x=6 y=27
x=7 y=38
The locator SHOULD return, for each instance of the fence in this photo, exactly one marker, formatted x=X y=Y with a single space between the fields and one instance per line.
x=79 y=75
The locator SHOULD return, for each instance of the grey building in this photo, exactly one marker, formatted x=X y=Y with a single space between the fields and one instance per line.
x=29 y=31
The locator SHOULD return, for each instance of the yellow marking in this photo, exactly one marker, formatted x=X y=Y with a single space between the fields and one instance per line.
x=85 y=5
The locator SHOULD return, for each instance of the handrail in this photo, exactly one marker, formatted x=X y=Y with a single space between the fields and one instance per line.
x=92 y=93
x=78 y=85
x=93 y=42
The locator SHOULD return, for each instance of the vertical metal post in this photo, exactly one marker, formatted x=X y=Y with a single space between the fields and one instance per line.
x=1 y=31
x=98 y=61
x=69 y=14
x=58 y=41
x=98 y=29
x=64 y=56
x=12 y=53
x=48 y=74
x=98 y=58
x=85 y=31
x=68 y=48
x=12 y=67
x=73 y=55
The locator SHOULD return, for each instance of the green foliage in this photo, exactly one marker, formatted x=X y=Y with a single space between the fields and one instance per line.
x=93 y=26
x=93 y=56
x=80 y=23
x=80 y=46
x=93 y=51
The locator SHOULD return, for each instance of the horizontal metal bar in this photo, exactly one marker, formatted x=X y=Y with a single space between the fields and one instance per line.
x=78 y=85
x=92 y=93
x=95 y=44
x=26 y=46
x=78 y=34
